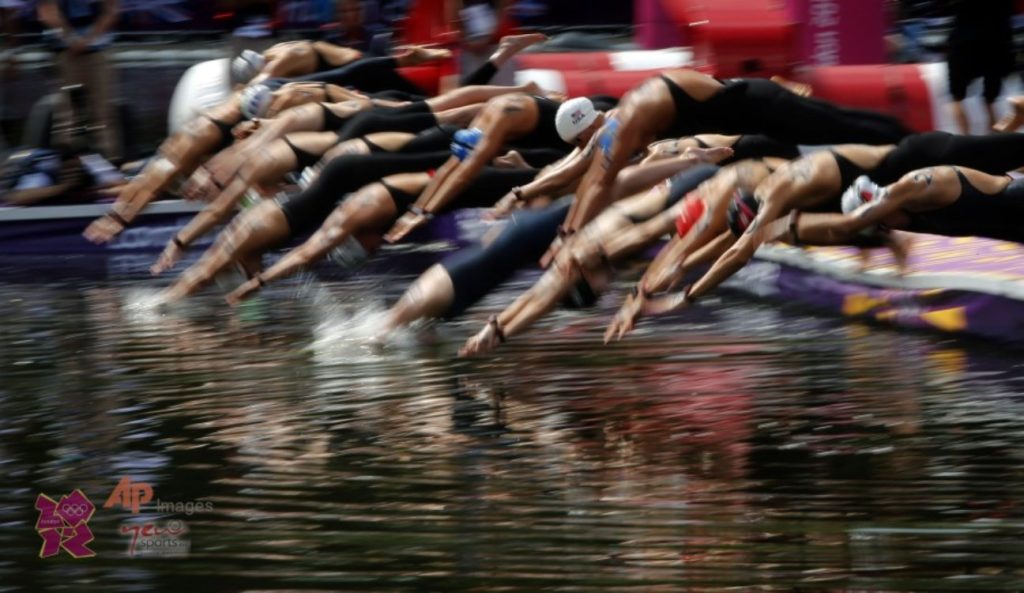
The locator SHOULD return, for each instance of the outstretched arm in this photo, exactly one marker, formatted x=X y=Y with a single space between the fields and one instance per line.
x=556 y=179
x=450 y=180
x=366 y=211
x=637 y=178
x=179 y=154
x=871 y=214
x=242 y=242
x=533 y=304
x=672 y=263
x=581 y=259
x=218 y=171
x=268 y=165
x=614 y=148
x=615 y=144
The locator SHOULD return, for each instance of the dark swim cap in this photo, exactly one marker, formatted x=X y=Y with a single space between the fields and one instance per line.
x=580 y=296
x=742 y=211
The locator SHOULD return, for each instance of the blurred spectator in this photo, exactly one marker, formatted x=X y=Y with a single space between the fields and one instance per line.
x=483 y=23
x=392 y=11
x=305 y=13
x=80 y=30
x=357 y=23
x=9 y=27
x=980 y=46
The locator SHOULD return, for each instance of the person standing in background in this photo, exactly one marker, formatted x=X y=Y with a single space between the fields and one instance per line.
x=355 y=26
x=483 y=23
x=9 y=27
x=980 y=46
x=83 y=31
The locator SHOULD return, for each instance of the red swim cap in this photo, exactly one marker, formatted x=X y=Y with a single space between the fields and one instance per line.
x=694 y=208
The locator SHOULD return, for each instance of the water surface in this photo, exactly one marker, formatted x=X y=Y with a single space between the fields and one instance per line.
x=738 y=446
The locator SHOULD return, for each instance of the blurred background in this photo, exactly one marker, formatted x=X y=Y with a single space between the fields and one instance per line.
x=153 y=42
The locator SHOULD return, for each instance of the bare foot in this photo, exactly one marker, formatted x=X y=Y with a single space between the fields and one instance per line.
x=797 y=88
x=711 y=155
x=415 y=55
x=510 y=45
x=511 y=160
x=1013 y=120
x=532 y=88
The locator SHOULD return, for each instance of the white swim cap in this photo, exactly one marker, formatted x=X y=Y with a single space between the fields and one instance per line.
x=574 y=116
x=247 y=65
x=255 y=100
x=861 y=192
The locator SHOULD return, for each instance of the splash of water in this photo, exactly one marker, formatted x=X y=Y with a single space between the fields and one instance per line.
x=353 y=330
x=144 y=305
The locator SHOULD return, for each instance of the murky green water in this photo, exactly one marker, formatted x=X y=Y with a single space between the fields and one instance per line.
x=737 y=447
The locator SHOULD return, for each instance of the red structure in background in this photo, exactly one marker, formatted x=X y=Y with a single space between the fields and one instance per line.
x=764 y=37
x=427 y=23
x=728 y=37
x=731 y=38
x=738 y=37
x=898 y=89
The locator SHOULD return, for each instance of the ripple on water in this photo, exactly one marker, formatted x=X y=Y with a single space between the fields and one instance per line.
x=737 y=445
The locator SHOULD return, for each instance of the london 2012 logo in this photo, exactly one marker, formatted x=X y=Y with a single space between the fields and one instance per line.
x=63 y=524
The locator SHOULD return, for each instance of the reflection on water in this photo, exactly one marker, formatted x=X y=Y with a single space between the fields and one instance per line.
x=734 y=446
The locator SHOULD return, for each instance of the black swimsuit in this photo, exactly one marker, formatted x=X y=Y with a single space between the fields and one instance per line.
x=332 y=121
x=225 y=133
x=848 y=170
x=994 y=154
x=683 y=183
x=476 y=271
x=544 y=134
x=693 y=117
x=756 y=146
x=322 y=65
x=373 y=147
x=975 y=213
x=304 y=157
x=402 y=198
x=307 y=209
x=483 y=191
x=758 y=106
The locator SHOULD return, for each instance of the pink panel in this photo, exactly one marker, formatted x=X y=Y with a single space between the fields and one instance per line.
x=834 y=32
x=654 y=28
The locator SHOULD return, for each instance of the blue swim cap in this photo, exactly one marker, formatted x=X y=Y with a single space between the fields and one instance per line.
x=464 y=141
